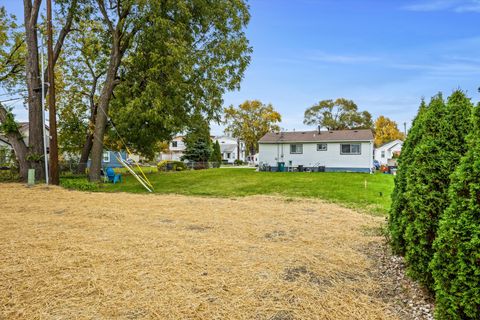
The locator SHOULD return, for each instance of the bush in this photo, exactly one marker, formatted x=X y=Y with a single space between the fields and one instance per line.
x=170 y=165
x=79 y=184
x=440 y=149
x=456 y=263
x=216 y=155
x=397 y=220
x=9 y=175
x=238 y=162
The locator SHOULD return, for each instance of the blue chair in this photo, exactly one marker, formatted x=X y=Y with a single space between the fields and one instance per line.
x=112 y=176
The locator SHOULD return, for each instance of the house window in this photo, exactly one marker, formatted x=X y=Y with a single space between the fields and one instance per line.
x=106 y=156
x=353 y=148
x=296 y=148
x=174 y=144
x=228 y=155
x=322 y=147
x=383 y=154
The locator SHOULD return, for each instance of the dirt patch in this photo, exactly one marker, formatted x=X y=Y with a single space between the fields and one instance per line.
x=277 y=235
x=406 y=298
x=195 y=227
x=133 y=256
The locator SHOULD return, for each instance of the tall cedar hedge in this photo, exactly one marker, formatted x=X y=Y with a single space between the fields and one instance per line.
x=216 y=155
x=397 y=220
x=456 y=264
x=434 y=147
x=434 y=159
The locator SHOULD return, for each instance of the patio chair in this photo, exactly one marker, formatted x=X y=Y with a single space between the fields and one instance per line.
x=112 y=176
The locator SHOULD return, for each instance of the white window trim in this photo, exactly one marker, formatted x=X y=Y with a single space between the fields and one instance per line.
x=350 y=153
x=296 y=144
x=108 y=156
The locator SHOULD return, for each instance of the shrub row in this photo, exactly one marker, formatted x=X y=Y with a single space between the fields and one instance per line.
x=79 y=184
x=429 y=201
x=169 y=165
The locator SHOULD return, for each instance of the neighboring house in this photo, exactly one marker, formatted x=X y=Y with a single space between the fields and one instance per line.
x=109 y=159
x=253 y=159
x=229 y=147
x=232 y=149
x=386 y=152
x=6 y=149
x=176 y=149
x=341 y=150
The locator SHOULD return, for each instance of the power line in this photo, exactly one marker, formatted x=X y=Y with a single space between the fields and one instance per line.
x=13 y=99
x=13 y=93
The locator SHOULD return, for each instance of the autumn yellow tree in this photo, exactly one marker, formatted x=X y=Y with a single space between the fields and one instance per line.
x=386 y=130
x=250 y=121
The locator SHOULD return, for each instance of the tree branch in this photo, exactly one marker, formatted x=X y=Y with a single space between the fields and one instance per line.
x=65 y=30
x=101 y=6
x=61 y=38
x=35 y=9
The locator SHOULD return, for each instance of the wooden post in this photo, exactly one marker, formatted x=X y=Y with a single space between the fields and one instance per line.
x=54 y=177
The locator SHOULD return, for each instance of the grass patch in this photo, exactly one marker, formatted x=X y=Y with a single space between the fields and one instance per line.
x=347 y=189
x=79 y=184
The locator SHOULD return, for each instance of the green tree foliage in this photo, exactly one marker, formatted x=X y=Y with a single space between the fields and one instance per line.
x=12 y=51
x=338 y=114
x=456 y=264
x=439 y=150
x=386 y=130
x=79 y=77
x=216 y=155
x=197 y=140
x=187 y=55
x=397 y=220
x=251 y=121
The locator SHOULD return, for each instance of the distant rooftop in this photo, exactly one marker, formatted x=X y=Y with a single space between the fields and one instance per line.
x=315 y=136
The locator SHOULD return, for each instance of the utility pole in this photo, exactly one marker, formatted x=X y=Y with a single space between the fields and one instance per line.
x=54 y=177
x=405 y=128
x=45 y=133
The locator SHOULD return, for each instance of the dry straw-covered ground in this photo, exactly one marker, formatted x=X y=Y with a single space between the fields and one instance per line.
x=67 y=254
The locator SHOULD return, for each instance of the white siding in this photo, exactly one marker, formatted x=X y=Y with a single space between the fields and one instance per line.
x=397 y=147
x=272 y=153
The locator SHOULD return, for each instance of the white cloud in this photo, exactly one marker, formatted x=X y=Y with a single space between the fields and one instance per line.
x=341 y=58
x=459 y=6
x=435 y=5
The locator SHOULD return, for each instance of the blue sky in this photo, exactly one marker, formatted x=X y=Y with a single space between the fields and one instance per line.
x=385 y=55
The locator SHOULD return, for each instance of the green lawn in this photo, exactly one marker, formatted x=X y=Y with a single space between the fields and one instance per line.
x=347 y=189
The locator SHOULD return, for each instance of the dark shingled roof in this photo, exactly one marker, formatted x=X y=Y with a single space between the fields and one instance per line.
x=314 y=136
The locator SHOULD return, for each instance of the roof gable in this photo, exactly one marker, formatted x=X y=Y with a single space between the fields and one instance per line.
x=390 y=144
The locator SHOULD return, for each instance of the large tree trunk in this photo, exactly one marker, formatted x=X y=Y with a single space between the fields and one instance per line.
x=87 y=147
x=33 y=156
x=16 y=141
x=104 y=101
x=35 y=116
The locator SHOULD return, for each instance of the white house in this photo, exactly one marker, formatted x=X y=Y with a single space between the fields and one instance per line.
x=340 y=150
x=386 y=151
x=176 y=149
x=232 y=149
x=253 y=159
